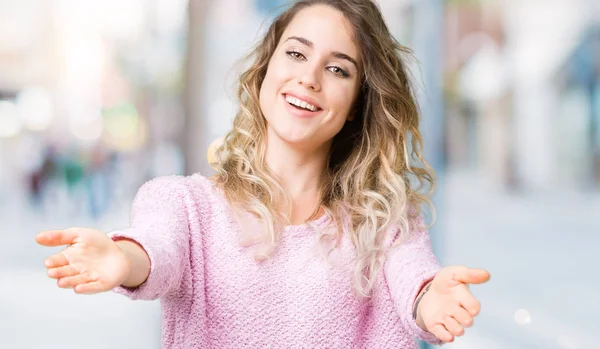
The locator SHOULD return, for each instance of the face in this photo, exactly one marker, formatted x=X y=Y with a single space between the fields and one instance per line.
x=312 y=79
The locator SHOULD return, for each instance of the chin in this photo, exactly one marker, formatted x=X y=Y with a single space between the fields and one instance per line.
x=294 y=137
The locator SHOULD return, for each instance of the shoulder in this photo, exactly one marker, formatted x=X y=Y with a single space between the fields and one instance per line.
x=178 y=183
x=180 y=195
x=201 y=185
x=163 y=186
x=199 y=181
x=410 y=228
x=192 y=187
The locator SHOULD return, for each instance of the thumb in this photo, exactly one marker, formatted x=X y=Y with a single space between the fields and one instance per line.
x=470 y=276
x=57 y=237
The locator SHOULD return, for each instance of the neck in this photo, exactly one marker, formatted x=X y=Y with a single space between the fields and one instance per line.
x=299 y=170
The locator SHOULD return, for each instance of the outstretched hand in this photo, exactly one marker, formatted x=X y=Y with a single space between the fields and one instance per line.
x=90 y=263
x=448 y=306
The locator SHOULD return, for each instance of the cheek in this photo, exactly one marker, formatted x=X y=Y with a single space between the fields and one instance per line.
x=267 y=93
x=277 y=70
x=342 y=102
x=271 y=83
x=265 y=87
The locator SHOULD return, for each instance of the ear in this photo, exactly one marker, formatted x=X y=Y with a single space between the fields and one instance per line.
x=351 y=116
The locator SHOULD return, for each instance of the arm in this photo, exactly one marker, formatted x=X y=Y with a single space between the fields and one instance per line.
x=408 y=269
x=157 y=243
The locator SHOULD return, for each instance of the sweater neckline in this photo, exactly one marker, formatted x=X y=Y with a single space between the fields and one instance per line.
x=293 y=229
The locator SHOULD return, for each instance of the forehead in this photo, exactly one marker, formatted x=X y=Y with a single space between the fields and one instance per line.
x=326 y=27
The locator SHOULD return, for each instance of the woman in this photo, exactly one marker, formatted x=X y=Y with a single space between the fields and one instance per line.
x=310 y=233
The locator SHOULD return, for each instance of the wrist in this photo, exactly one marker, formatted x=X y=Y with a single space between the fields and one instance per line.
x=422 y=295
x=125 y=246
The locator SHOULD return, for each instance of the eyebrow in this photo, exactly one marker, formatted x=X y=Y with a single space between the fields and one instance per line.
x=336 y=54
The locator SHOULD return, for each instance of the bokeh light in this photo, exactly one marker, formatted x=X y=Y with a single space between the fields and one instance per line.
x=36 y=108
x=10 y=121
x=87 y=126
x=522 y=317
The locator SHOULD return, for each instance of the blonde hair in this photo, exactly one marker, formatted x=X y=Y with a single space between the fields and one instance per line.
x=370 y=165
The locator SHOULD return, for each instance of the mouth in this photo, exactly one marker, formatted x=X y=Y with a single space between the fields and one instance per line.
x=301 y=104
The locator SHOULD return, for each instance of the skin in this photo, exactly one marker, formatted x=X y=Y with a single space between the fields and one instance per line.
x=317 y=60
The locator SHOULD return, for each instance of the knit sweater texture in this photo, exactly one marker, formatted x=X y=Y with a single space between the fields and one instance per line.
x=215 y=294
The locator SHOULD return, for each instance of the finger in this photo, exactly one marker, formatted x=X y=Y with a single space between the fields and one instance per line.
x=453 y=326
x=57 y=237
x=62 y=272
x=73 y=281
x=462 y=316
x=441 y=333
x=89 y=288
x=471 y=276
x=468 y=302
x=56 y=261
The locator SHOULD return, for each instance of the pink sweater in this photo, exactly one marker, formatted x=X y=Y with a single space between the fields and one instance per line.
x=214 y=294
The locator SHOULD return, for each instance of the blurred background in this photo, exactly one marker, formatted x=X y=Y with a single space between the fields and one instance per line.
x=96 y=97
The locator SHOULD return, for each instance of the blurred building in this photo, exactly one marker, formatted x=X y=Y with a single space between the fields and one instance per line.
x=508 y=116
x=578 y=84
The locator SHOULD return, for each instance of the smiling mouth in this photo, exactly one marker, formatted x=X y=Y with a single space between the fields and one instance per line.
x=300 y=105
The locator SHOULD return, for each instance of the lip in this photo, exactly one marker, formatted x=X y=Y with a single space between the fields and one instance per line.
x=304 y=99
x=299 y=113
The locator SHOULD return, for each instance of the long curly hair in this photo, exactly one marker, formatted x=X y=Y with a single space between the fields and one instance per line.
x=376 y=175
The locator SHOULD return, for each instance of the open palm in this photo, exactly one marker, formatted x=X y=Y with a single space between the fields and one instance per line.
x=449 y=306
x=90 y=263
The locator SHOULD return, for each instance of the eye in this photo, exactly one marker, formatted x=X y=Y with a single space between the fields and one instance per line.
x=296 y=55
x=338 y=71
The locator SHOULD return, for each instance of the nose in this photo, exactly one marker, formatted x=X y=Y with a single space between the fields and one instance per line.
x=310 y=80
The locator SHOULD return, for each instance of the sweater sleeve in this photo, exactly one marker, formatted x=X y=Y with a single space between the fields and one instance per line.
x=159 y=223
x=406 y=269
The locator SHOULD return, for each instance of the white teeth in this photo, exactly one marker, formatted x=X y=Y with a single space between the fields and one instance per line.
x=295 y=101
